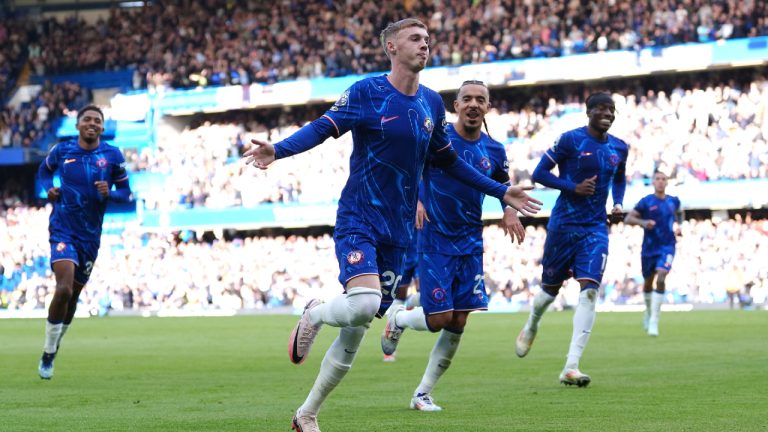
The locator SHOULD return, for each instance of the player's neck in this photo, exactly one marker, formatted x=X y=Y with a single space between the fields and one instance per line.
x=599 y=135
x=660 y=195
x=85 y=145
x=405 y=81
x=469 y=135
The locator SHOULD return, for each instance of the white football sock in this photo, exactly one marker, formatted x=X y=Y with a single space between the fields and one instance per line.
x=64 y=328
x=52 y=334
x=335 y=365
x=395 y=304
x=656 y=301
x=541 y=302
x=412 y=319
x=355 y=308
x=439 y=360
x=647 y=298
x=583 y=320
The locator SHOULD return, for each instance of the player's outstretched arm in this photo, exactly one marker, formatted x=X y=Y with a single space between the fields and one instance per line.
x=45 y=176
x=543 y=176
x=261 y=154
x=516 y=198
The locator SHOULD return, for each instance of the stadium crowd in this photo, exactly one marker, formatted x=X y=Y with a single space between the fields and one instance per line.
x=710 y=132
x=31 y=121
x=184 y=43
x=181 y=271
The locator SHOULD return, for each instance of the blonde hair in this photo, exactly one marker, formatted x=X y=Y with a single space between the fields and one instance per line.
x=393 y=28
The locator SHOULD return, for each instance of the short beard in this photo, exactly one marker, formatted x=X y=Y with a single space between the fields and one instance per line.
x=90 y=141
x=472 y=129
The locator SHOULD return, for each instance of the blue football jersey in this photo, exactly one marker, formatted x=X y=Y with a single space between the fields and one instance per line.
x=661 y=238
x=392 y=135
x=79 y=211
x=455 y=209
x=579 y=156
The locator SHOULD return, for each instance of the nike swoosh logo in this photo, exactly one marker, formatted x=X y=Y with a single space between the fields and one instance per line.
x=66 y=161
x=388 y=119
x=348 y=351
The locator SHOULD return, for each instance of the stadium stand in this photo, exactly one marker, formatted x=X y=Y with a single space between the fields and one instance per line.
x=238 y=42
x=701 y=132
x=190 y=271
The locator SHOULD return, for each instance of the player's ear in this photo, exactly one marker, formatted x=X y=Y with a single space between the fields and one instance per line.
x=456 y=105
x=391 y=47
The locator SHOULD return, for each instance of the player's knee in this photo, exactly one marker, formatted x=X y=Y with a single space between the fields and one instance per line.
x=363 y=305
x=552 y=290
x=402 y=292
x=64 y=291
x=458 y=322
x=435 y=323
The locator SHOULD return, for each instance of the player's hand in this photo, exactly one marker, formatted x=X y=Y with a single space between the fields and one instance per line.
x=649 y=224
x=421 y=215
x=511 y=225
x=617 y=214
x=54 y=193
x=521 y=201
x=103 y=188
x=260 y=155
x=586 y=187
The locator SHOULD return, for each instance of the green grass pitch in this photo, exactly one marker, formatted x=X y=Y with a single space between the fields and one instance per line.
x=706 y=372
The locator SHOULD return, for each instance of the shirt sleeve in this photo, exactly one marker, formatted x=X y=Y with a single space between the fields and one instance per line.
x=119 y=174
x=557 y=154
x=619 y=185
x=501 y=165
x=561 y=150
x=47 y=167
x=340 y=118
x=641 y=207
x=346 y=113
x=440 y=141
x=52 y=160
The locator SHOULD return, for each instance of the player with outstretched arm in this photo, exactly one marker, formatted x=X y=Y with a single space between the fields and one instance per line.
x=395 y=124
x=450 y=243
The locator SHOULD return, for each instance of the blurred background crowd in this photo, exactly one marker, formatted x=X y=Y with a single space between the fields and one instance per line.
x=183 y=270
x=186 y=43
x=712 y=131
